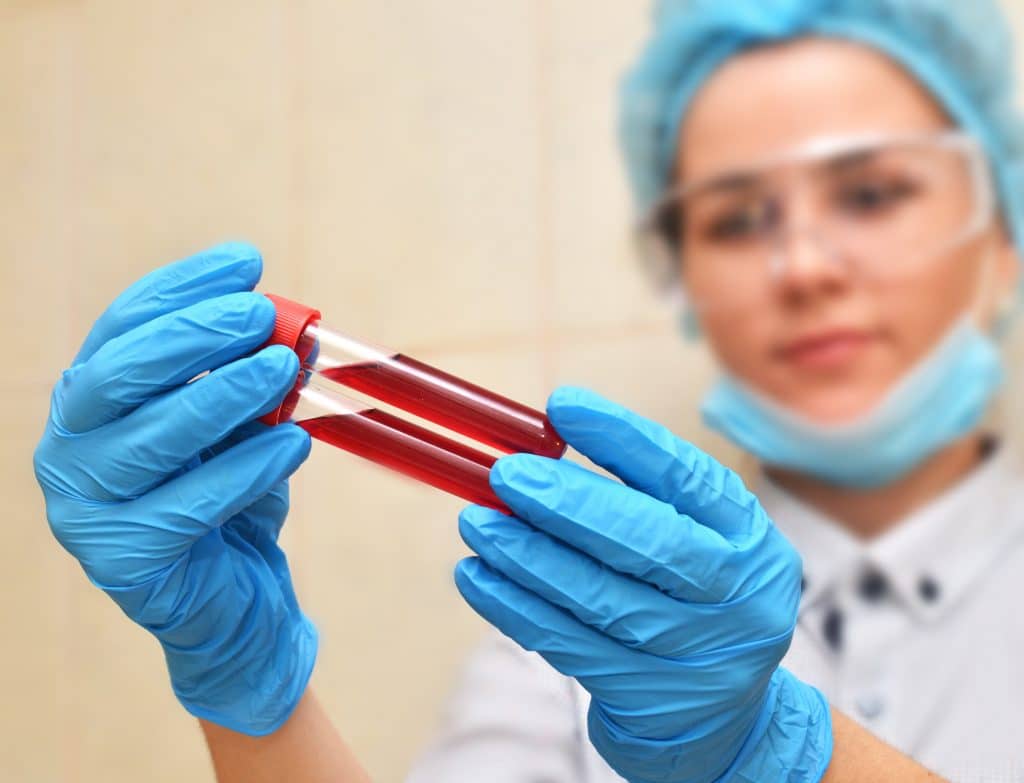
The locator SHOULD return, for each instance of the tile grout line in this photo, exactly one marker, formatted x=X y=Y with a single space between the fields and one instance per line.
x=296 y=20
x=545 y=197
x=295 y=49
x=72 y=751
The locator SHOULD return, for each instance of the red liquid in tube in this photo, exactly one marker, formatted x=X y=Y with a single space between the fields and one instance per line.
x=411 y=450
x=453 y=403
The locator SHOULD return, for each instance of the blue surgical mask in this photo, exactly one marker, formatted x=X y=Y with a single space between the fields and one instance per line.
x=939 y=401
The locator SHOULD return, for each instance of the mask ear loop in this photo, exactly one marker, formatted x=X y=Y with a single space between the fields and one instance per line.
x=1009 y=306
x=986 y=289
x=996 y=420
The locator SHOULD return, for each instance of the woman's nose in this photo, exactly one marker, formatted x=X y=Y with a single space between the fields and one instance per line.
x=804 y=261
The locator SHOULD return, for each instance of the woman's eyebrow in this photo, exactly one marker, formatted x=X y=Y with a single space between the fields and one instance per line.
x=729 y=183
x=853 y=160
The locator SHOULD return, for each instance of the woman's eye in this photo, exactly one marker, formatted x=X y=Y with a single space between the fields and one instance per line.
x=868 y=198
x=739 y=223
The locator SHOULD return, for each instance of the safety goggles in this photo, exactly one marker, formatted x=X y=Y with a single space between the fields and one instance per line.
x=880 y=207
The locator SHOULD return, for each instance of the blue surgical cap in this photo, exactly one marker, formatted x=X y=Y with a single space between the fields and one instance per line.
x=960 y=50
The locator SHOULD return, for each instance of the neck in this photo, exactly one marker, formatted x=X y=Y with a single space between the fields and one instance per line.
x=869 y=513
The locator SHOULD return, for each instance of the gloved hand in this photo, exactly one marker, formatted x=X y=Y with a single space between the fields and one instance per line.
x=172 y=498
x=671 y=598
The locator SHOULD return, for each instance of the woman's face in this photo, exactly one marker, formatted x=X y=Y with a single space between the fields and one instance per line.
x=821 y=338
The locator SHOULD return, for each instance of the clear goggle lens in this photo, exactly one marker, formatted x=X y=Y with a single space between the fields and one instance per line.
x=880 y=208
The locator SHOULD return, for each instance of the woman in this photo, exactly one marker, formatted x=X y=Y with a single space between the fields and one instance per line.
x=833 y=183
x=825 y=199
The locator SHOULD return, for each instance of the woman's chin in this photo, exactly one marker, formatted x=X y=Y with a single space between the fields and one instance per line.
x=842 y=406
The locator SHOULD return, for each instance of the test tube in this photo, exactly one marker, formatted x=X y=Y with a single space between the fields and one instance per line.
x=391 y=441
x=331 y=361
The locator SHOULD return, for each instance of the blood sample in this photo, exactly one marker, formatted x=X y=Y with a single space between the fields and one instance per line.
x=412 y=450
x=448 y=401
x=330 y=361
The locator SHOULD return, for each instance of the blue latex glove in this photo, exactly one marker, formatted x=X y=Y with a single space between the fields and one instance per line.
x=671 y=598
x=172 y=498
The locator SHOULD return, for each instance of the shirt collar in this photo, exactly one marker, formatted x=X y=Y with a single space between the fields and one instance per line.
x=932 y=558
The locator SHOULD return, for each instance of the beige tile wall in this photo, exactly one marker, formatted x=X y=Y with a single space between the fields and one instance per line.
x=441 y=176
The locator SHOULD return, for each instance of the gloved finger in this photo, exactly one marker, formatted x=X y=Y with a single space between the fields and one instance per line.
x=649 y=695
x=567 y=644
x=649 y=458
x=129 y=456
x=159 y=355
x=126 y=544
x=623 y=528
x=233 y=438
x=256 y=529
x=631 y=612
x=219 y=270
x=264 y=518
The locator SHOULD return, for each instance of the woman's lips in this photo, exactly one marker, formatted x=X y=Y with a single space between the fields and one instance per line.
x=826 y=350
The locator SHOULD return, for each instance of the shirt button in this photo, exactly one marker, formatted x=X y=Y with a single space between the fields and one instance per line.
x=870 y=706
x=832 y=629
x=873 y=586
x=928 y=589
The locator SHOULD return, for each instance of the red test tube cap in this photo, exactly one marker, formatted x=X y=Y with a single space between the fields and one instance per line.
x=290 y=323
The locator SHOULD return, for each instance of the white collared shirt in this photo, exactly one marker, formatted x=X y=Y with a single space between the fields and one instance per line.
x=916 y=634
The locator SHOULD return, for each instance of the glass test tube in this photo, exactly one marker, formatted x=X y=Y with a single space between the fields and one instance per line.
x=393 y=442
x=331 y=360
